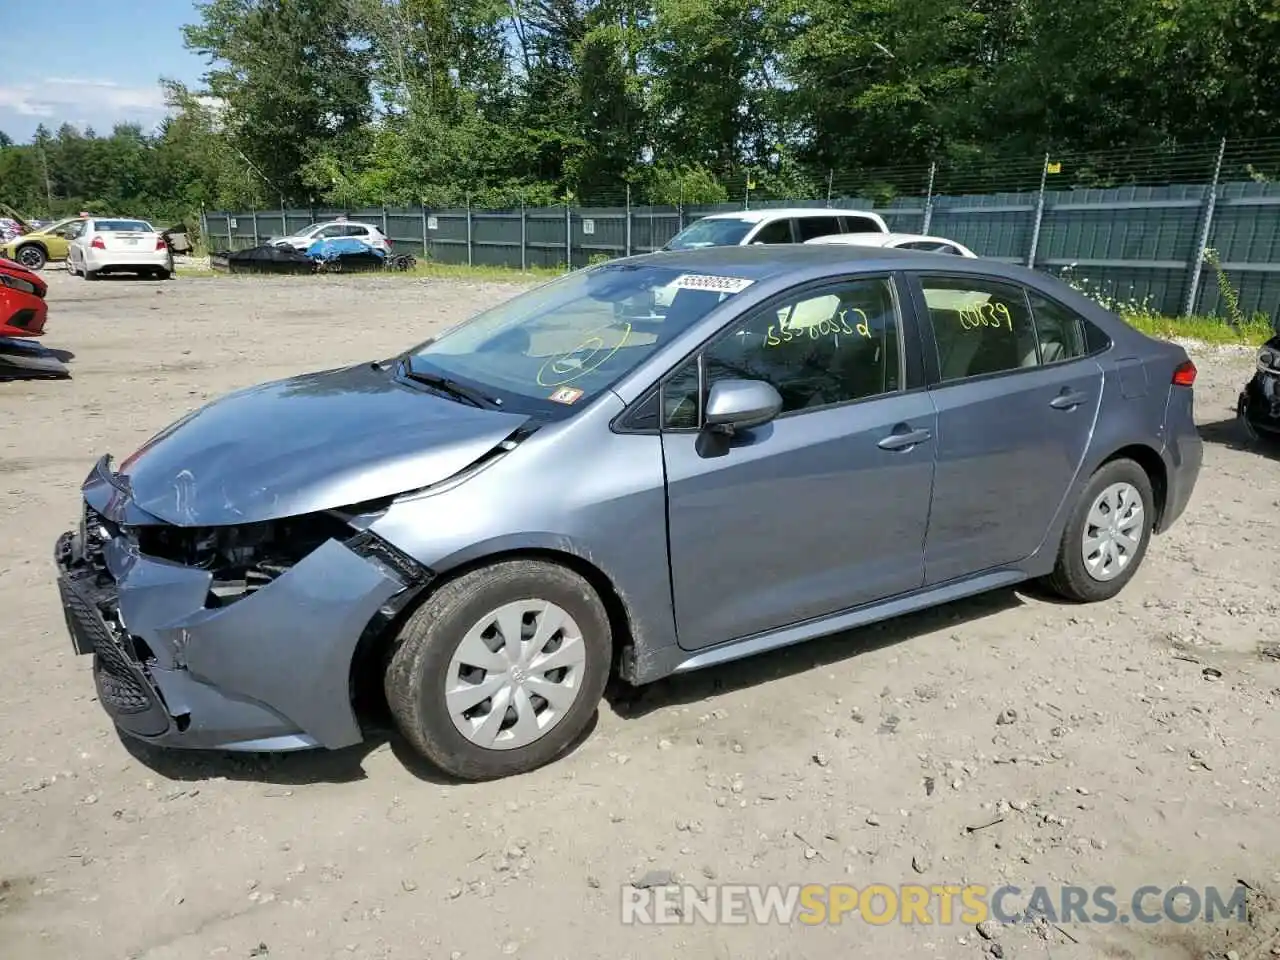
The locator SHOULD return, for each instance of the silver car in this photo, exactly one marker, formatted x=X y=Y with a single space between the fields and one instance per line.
x=581 y=482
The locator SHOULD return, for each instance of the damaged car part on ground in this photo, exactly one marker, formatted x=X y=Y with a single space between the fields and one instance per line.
x=1258 y=409
x=650 y=466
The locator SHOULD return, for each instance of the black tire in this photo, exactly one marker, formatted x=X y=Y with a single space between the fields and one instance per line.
x=90 y=274
x=71 y=268
x=1071 y=578
x=160 y=274
x=418 y=669
x=1253 y=437
x=31 y=256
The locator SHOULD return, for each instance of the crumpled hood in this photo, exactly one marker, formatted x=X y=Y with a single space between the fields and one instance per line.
x=308 y=443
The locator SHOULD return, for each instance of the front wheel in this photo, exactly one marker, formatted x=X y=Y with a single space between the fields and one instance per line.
x=31 y=257
x=499 y=671
x=1107 y=536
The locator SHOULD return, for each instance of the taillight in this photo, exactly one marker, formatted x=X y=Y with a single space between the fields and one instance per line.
x=97 y=244
x=1184 y=375
x=160 y=244
x=387 y=241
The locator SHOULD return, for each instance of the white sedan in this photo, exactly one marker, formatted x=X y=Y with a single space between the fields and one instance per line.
x=901 y=241
x=117 y=245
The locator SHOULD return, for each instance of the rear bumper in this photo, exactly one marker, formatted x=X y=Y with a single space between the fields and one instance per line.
x=269 y=672
x=125 y=259
x=1183 y=455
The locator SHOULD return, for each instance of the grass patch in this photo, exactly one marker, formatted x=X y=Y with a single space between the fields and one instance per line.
x=1251 y=332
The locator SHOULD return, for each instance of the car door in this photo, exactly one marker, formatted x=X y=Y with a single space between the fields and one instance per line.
x=75 y=235
x=825 y=507
x=1016 y=396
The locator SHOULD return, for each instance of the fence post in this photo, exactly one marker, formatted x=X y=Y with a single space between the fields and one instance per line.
x=204 y=228
x=230 y=238
x=830 y=178
x=628 y=230
x=469 y=260
x=1035 y=229
x=524 y=236
x=384 y=222
x=423 y=208
x=568 y=237
x=1202 y=244
x=928 y=200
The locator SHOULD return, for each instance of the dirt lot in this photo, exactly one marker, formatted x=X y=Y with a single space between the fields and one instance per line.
x=861 y=759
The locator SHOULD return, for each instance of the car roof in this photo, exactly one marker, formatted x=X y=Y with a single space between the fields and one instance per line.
x=881 y=239
x=755 y=216
x=764 y=261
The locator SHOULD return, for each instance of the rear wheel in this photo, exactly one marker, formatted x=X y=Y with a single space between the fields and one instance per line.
x=500 y=670
x=162 y=274
x=1106 y=538
x=90 y=274
x=71 y=266
x=32 y=257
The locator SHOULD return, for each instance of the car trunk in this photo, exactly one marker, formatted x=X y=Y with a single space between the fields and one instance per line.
x=127 y=240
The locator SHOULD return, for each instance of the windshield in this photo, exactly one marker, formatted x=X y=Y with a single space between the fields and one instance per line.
x=60 y=225
x=121 y=226
x=727 y=232
x=565 y=342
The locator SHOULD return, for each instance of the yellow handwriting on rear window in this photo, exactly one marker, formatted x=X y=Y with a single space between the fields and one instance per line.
x=989 y=314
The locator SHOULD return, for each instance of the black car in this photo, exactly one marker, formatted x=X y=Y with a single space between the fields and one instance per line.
x=1259 y=405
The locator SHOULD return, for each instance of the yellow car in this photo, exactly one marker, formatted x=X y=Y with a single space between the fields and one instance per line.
x=33 y=250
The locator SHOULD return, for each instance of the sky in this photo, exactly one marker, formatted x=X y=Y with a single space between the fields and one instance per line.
x=90 y=62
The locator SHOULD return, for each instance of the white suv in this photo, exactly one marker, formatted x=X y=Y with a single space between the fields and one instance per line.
x=798 y=225
x=332 y=229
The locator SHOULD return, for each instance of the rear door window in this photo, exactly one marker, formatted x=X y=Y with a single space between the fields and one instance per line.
x=811 y=227
x=1061 y=332
x=777 y=231
x=980 y=326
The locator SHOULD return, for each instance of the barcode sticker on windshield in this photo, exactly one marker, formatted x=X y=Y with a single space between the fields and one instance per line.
x=696 y=281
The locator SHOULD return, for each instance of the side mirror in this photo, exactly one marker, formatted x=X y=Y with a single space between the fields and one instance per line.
x=734 y=405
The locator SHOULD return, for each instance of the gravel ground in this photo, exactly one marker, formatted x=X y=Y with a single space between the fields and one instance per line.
x=1089 y=745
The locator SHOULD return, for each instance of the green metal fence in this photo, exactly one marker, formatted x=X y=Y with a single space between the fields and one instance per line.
x=1145 y=244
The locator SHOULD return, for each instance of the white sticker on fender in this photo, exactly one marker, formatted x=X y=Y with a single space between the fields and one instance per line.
x=696 y=281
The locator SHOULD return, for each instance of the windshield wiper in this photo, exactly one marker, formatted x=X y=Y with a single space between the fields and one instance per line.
x=452 y=387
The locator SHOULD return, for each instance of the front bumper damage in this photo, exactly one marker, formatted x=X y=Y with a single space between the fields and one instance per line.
x=1259 y=403
x=183 y=659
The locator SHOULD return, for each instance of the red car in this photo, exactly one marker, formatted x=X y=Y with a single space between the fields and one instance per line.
x=23 y=310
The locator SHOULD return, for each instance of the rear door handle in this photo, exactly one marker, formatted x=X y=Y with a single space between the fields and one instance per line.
x=1068 y=400
x=904 y=441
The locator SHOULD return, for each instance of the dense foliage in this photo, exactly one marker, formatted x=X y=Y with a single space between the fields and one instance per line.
x=359 y=102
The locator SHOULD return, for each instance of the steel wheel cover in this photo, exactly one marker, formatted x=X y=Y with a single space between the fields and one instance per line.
x=1113 y=531
x=515 y=674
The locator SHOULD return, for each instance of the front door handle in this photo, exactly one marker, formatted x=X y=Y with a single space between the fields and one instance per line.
x=1068 y=400
x=905 y=440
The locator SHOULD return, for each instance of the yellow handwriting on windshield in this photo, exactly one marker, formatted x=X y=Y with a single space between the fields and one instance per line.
x=989 y=314
x=851 y=322
x=592 y=353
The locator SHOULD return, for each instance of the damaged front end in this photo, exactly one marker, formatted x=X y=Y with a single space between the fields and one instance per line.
x=237 y=637
x=1258 y=407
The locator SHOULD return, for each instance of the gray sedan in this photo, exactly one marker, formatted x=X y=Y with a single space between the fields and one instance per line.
x=655 y=465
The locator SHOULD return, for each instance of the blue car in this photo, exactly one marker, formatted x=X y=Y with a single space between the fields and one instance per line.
x=659 y=464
